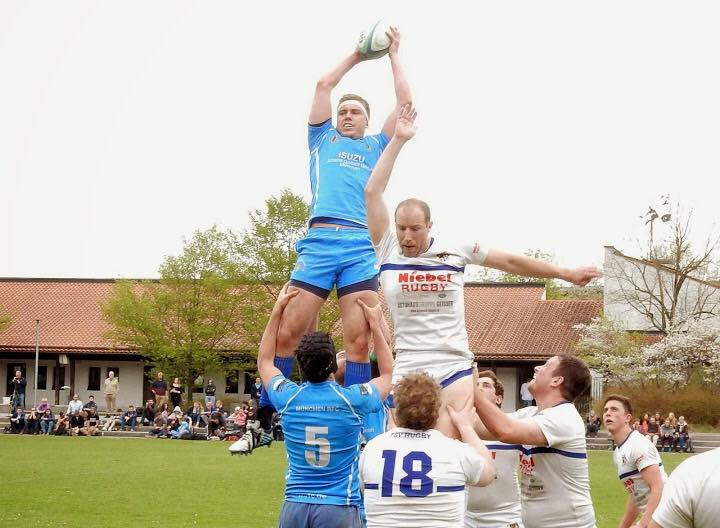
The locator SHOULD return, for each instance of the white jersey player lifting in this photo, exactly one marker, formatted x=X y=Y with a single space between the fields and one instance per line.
x=638 y=463
x=554 y=479
x=423 y=279
x=414 y=476
x=496 y=505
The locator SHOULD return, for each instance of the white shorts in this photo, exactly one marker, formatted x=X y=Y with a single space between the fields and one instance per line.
x=498 y=520
x=445 y=367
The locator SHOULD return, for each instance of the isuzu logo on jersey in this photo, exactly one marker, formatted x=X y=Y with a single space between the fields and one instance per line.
x=349 y=156
x=423 y=281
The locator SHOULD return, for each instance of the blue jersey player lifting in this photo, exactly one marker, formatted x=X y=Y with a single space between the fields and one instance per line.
x=337 y=251
x=322 y=423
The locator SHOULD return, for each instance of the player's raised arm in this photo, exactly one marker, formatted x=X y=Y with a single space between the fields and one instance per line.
x=403 y=96
x=377 y=212
x=266 y=353
x=506 y=429
x=530 y=267
x=321 y=109
x=374 y=317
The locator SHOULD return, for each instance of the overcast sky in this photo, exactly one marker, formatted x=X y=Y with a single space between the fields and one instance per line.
x=125 y=126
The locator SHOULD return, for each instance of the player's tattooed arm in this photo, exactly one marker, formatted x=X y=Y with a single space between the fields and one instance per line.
x=266 y=353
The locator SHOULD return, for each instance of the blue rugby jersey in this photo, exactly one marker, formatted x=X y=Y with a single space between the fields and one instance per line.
x=339 y=169
x=322 y=423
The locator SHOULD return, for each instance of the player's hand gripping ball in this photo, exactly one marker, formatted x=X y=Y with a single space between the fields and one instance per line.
x=375 y=42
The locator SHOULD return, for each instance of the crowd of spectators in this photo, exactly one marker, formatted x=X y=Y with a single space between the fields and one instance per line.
x=667 y=434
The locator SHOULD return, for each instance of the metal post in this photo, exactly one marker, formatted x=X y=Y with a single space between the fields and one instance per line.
x=37 y=356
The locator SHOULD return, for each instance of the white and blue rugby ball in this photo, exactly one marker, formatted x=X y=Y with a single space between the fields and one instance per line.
x=375 y=42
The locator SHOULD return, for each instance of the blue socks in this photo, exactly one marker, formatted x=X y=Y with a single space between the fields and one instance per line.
x=356 y=373
x=285 y=364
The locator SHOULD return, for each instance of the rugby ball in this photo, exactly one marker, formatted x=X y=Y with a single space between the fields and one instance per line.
x=375 y=43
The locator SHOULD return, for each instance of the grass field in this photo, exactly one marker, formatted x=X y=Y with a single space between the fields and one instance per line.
x=116 y=482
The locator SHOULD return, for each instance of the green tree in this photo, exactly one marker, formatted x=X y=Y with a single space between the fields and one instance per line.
x=185 y=322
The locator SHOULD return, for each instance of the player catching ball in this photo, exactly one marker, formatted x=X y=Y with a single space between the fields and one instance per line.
x=423 y=280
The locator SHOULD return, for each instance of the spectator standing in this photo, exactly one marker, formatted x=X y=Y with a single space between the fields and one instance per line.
x=653 y=432
x=112 y=387
x=18 y=384
x=592 y=424
x=159 y=389
x=525 y=394
x=210 y=390
x=256 y=390
x=47 y=422
x=176 y=390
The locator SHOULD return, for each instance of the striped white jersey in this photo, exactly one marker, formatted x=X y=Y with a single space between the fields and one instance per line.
x=498 y=504
x=425 y=294
x=633 y=455
x=554 y=480
x=416 y=479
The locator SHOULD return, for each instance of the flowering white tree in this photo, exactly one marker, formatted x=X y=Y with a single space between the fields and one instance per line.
x=689 y=352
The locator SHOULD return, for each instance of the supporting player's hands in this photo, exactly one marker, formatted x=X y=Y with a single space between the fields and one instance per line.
x=463 y=416
x=394 y=36
x=284 y=298
x=581 y=276
x=373 y=314
x=405 y=124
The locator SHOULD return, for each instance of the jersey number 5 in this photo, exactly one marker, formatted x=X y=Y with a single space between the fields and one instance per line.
x=319 y=455
x=408 y=485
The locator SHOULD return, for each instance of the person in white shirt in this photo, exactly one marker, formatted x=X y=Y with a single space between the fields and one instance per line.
x=690 y=498
x=75 y=405
x=423 y=281
x=555 y=484
x=414 y=476
x=638 y=463
x=525 y=395
x=498 y=504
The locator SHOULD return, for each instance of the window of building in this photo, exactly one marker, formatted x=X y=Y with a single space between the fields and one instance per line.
x=93 y=378
x=59 y=378
x=231 y=382
x=248 y=382
x=42 y=377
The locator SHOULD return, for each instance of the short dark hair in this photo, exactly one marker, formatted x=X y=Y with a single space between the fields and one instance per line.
x=417 y=401
x=316 y=357
x=499 y=387
x=415 y=202
x=576 y=376
x=353 y=97
x=622 y=399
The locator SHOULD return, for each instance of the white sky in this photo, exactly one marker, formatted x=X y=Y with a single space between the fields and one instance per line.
x=125 y=126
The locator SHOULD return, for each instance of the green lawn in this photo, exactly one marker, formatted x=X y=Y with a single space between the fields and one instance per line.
x=110 y=482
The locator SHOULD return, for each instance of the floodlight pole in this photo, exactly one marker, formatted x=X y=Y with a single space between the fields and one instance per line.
x=37 y=356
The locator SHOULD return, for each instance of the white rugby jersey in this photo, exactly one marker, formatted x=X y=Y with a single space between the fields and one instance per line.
x=497 y=504
x=417 y=479
x=633 y=455
x=690 y=498
x=425 y=294
x=554 y=480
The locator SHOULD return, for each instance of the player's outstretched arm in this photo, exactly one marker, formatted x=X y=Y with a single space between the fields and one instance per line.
x=652 y=477
x=530 y=267
x=374 y=317
x=631 y=513
x=403 y=95
x=463 y=420
x=377 y=211
x=502 y=427
x=321 y=109
x=266 y=353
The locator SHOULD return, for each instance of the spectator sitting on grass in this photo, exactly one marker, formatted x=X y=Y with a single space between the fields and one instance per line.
x=148 y=413
x=62 y=426
x=209 y=409
x=184 y=429
x=90 y=404
x=92 y=423
x=653 y=432
x=219 y=406
x=77 y=421
x=17 y=420
x=682 y=434
x=32 y=422
x=239 y=419
x=194 y=414
x=74 y=406
x=160 y=424
x=47 y=421
x=667 y=436
x=43 y=406
x=129 y=418
x=216 y=424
